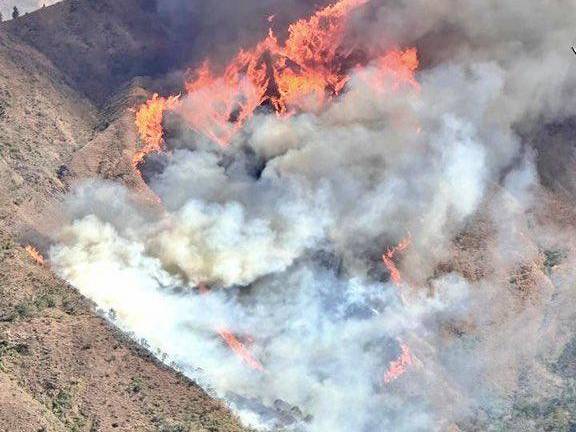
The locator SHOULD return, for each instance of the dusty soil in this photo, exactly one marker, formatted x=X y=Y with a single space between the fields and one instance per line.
x=42 y=123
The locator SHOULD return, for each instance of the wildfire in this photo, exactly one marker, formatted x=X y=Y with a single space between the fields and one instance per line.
x=232 y=341
x=240 y=349
x=394 y=69
x=35 y=254
x=311 y=67
x=388 y=259
x=398 y=367
x=149 y=123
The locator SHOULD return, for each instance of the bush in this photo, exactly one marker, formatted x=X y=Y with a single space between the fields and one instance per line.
x=61 y=403
x=23 y=310
x=136 y=385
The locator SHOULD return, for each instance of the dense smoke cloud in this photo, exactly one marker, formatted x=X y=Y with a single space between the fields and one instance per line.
x=288 y=224
x=221 y=28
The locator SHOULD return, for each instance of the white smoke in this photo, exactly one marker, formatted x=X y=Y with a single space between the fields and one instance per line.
x=291 y=255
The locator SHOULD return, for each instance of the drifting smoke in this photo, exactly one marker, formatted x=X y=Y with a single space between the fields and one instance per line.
x=263 y=277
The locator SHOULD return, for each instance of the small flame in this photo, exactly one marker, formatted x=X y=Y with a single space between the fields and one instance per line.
x=397 y=367
x=35 y=254
x=240 y=349
x=203 y=288
x=232 y=341
x=388 y=259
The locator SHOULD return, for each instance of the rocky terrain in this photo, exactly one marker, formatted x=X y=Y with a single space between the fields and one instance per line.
x=24 y=6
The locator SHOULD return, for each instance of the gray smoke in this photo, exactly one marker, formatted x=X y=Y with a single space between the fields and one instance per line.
x=288 y=224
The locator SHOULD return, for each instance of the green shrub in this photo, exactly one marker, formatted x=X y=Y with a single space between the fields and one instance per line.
x=61 y=403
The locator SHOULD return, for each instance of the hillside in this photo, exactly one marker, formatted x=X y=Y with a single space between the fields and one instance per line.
x=71 y=75
x=97 y=45
x=101 y=45
x=43 y=122
x=63 y=367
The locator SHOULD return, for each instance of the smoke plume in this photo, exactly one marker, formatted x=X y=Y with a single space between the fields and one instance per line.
x=261 y=274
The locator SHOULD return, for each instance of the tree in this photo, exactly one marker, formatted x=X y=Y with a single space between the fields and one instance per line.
x=1 y=17
x=15 y=13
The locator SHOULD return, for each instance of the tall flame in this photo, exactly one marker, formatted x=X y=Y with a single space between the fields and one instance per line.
x=311 y=67
x=149 y=123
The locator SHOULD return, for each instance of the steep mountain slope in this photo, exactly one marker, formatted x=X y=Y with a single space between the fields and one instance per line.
x=68 y=77
x=98 y=45
x=63 y=367
x=24 y=6
x=42 y=123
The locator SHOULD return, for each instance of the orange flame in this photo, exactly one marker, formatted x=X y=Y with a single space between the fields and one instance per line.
x=232 y=341
x=388 y=259
x=149 y=123
x=393 y=70
x=308 y=69
x=35 y=254
x=240 y=349
x=398 y=367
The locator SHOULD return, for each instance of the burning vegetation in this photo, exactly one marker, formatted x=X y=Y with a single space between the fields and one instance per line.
x=149 y=123
x=294 y=168
x=398 y=367
x=389 y=257
x=302 y=74
x=35 y=254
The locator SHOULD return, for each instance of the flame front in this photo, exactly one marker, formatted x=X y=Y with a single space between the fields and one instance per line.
x=397 y=367
x=149 y=123
x=311 y=67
